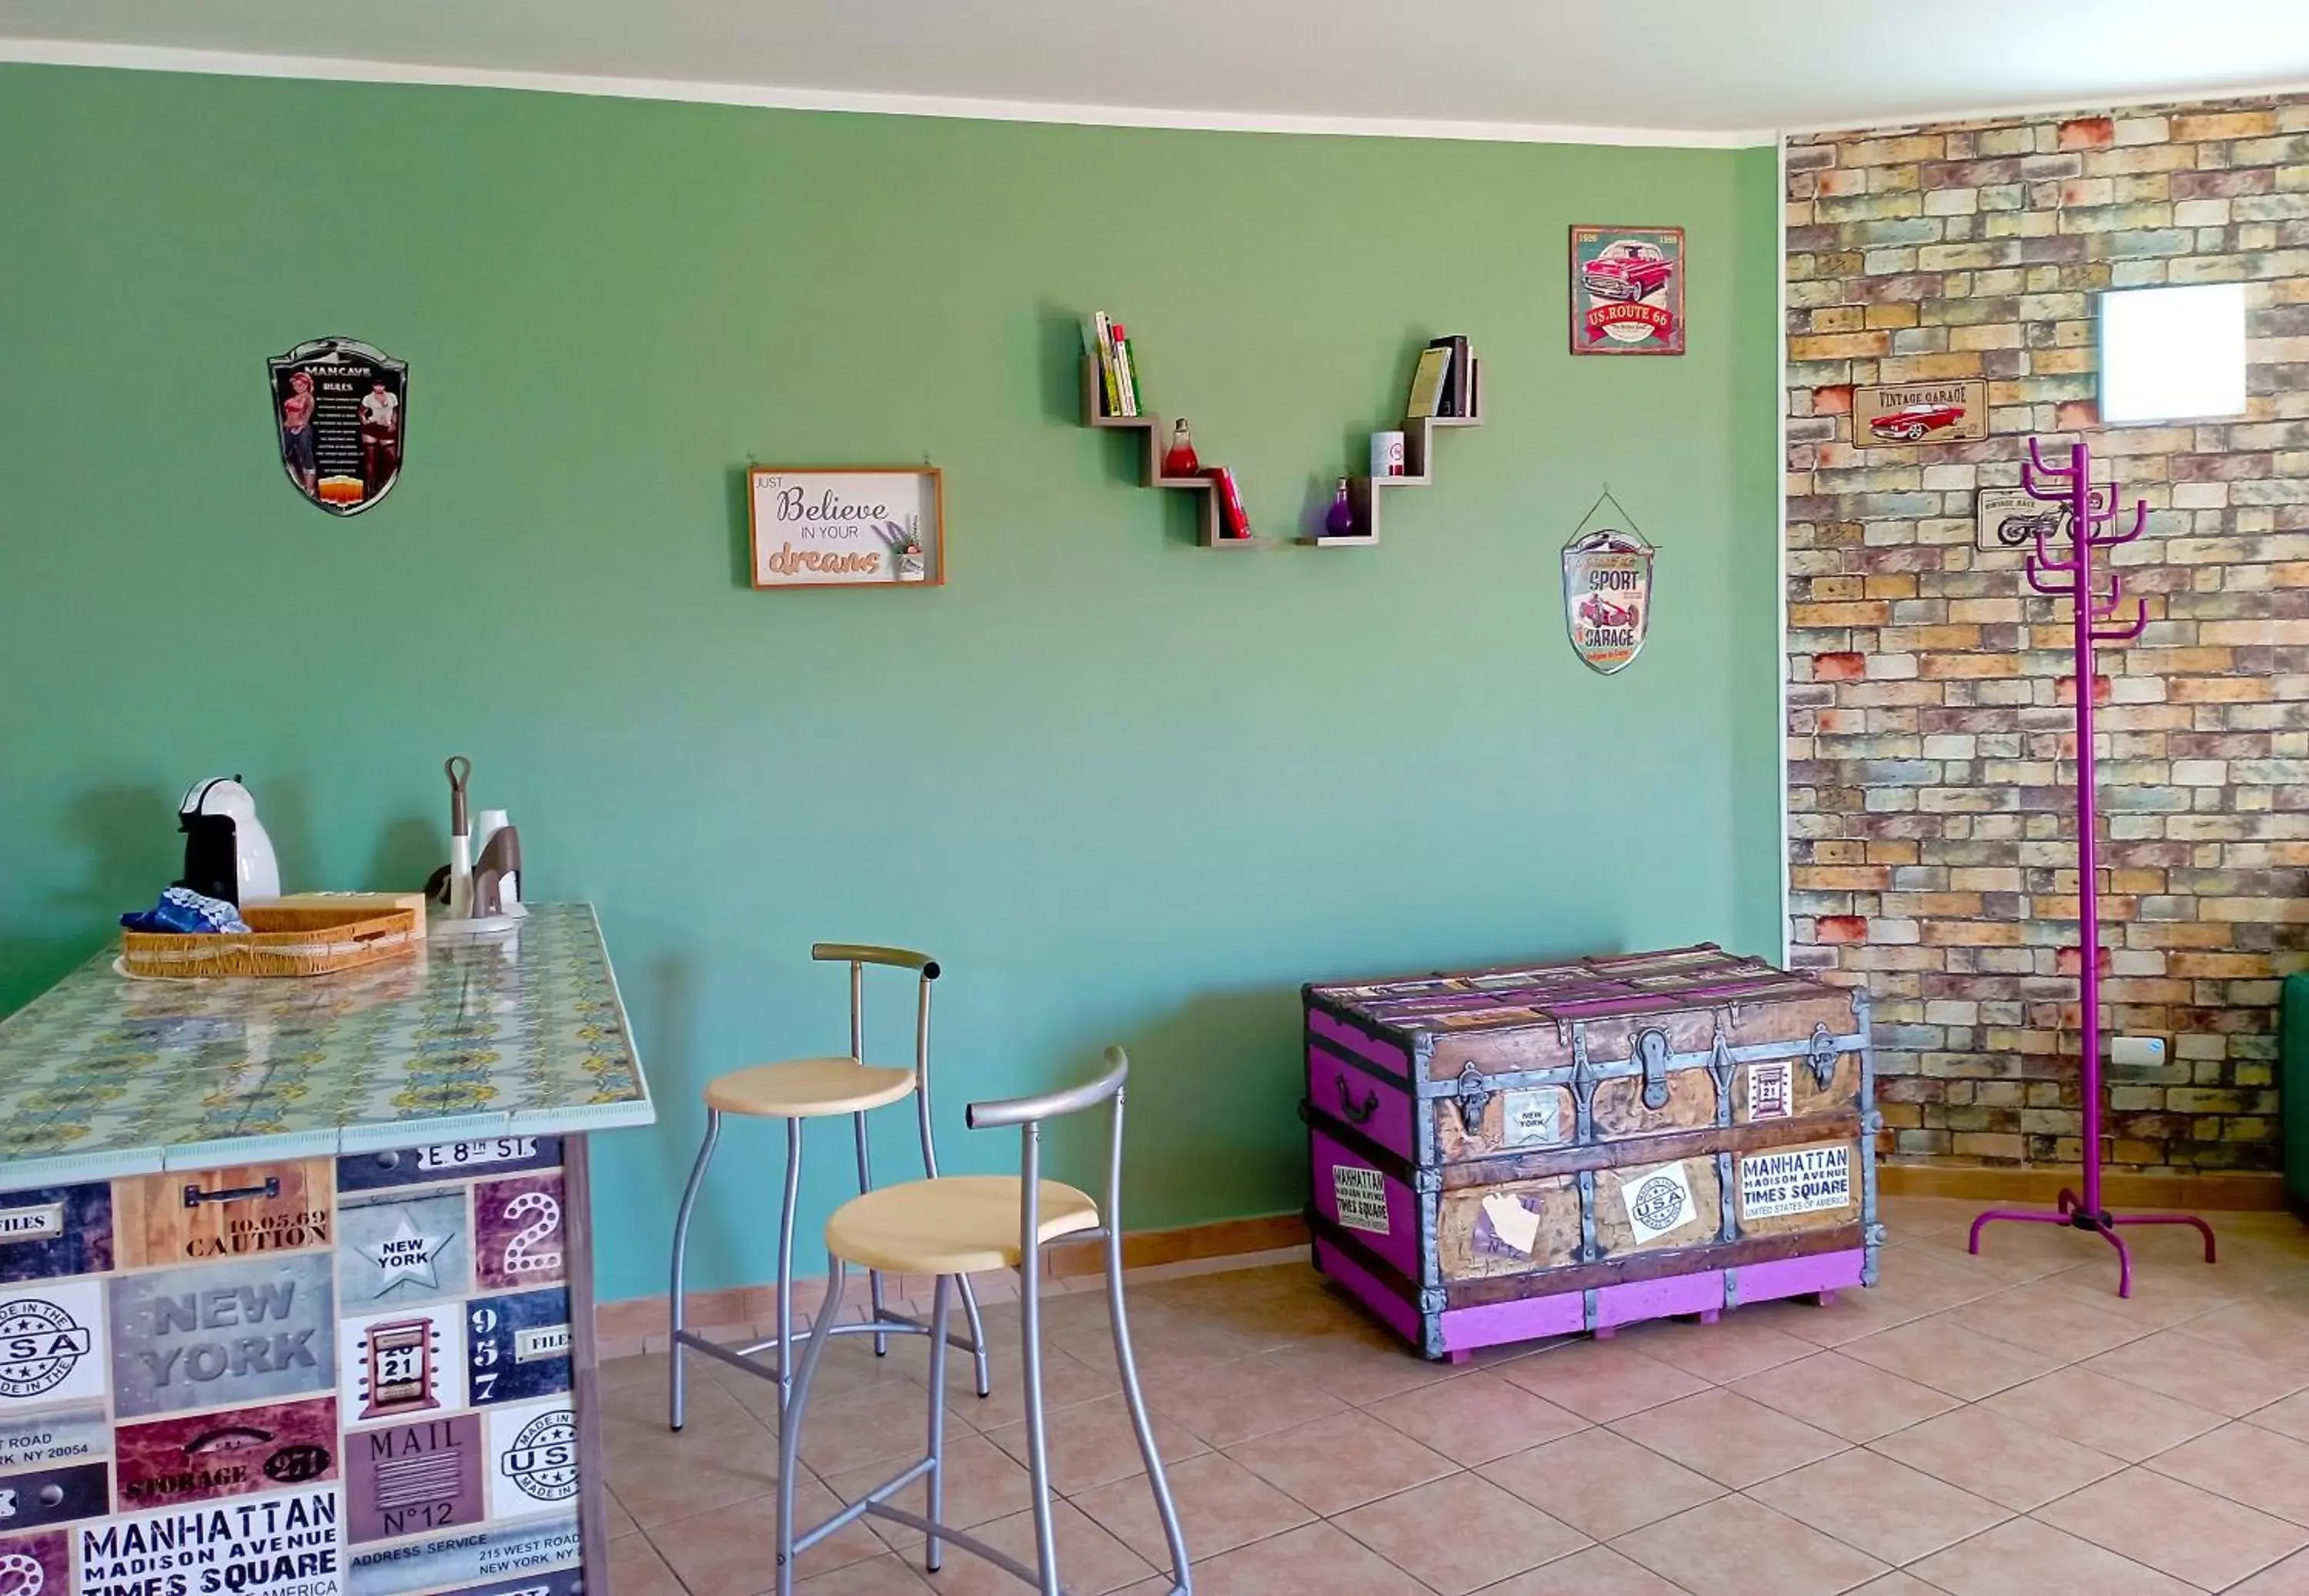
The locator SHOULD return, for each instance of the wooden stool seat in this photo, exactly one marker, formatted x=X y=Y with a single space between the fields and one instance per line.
x=956 y=1224
x=807 y=1088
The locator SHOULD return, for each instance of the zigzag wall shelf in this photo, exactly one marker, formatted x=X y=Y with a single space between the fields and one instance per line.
x=1418 y=440
x=1363 y=492
x=1151 y=426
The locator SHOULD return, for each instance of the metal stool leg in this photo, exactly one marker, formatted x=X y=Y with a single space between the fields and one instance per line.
x=790 y=1415
x=1030 y=1362
x=930 y=1168
x=678 y=1388
x=933 y=1553
x=785 y=1268
x=1135 y=1400
x=977 y=1337
x=873 y=1276
x=865 y=1167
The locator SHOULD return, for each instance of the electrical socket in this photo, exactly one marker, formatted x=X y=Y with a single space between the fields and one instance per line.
x=2136 y=1049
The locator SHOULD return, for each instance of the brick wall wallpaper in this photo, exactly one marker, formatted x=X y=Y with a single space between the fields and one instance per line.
x=1932 y=837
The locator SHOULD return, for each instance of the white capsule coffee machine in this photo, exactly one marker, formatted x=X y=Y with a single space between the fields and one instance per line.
x=227 y=854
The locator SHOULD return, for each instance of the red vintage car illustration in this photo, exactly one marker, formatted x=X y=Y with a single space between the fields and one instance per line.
x=1626 y=268
x=1598 y=611
x=1913 y=421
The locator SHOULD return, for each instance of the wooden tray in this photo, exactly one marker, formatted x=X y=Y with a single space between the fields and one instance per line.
x=281 y=939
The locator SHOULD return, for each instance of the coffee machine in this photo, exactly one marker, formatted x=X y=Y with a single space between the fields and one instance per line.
x=227 y=853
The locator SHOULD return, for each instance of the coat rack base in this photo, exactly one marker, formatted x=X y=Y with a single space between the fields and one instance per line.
x=2072 y=1214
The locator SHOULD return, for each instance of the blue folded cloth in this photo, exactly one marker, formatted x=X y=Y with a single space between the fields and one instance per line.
x=185 y=912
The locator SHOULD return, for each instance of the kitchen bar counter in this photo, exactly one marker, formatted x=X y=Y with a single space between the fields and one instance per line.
x=106 y=1075
x=296 y=1283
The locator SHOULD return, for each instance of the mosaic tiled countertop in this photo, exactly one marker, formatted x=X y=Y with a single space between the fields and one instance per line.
x=104 y=1075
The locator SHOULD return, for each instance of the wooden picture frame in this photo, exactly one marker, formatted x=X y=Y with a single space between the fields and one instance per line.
x=855 y=526
x=1627 y=290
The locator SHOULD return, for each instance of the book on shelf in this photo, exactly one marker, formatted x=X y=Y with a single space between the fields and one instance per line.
x=1106 y=341
x=1235 y=522
x=1427 y=381
x=1126 y=363
x=1457 y=397
x=1098 y=343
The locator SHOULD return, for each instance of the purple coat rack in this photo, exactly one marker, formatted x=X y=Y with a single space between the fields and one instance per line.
x=2091 y=616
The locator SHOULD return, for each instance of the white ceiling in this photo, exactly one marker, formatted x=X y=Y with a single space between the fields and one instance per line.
x=1697 y=71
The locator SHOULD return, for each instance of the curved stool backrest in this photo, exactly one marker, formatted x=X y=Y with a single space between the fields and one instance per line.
x=1028 y=1114
x=858 y=955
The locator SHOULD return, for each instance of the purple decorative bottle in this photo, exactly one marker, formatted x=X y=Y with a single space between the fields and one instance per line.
x=1339 y=519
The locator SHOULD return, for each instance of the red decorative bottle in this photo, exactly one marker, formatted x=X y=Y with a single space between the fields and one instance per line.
x=1180 y=461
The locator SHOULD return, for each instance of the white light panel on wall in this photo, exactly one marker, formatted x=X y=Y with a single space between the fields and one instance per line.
x=2172 y=354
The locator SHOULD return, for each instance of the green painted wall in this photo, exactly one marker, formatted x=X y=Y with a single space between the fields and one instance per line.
x=1127 y=790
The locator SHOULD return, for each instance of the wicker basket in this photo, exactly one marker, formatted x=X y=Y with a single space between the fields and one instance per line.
x=280 y=940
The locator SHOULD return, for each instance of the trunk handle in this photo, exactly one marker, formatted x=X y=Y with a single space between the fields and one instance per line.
x=270 y=1188
x=1651 y=1051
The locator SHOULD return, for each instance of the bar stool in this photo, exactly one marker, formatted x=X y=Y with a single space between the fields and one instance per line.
x=954 y=1227
x=814 y=1089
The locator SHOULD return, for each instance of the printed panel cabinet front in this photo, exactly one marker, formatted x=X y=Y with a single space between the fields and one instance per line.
x=324 y=1377
x=1500 y=1154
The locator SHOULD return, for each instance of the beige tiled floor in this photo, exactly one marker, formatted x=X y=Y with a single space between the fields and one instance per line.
x=1998 y=1426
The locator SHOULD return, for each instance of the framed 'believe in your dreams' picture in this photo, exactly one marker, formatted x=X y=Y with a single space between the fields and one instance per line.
x=846 y=526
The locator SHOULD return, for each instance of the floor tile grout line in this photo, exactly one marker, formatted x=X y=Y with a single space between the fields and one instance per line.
x=2066 y=1359
x=1884 y=1567
x=1910 y=1568
x=1590 y=1543
x=2249 y=1574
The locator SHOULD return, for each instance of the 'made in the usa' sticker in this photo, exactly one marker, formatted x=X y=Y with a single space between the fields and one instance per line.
x=533 y=1459
x=52 y=1343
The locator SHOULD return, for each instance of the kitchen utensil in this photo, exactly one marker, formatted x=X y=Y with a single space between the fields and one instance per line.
x=475 y=905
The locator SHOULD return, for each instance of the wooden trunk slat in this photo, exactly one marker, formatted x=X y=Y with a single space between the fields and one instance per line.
x=1615 y=1232
x=1657 y=1149
x=1620 y=1109
x=1463 y=1237
x=1652 y=1266
x=1612 y=1272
